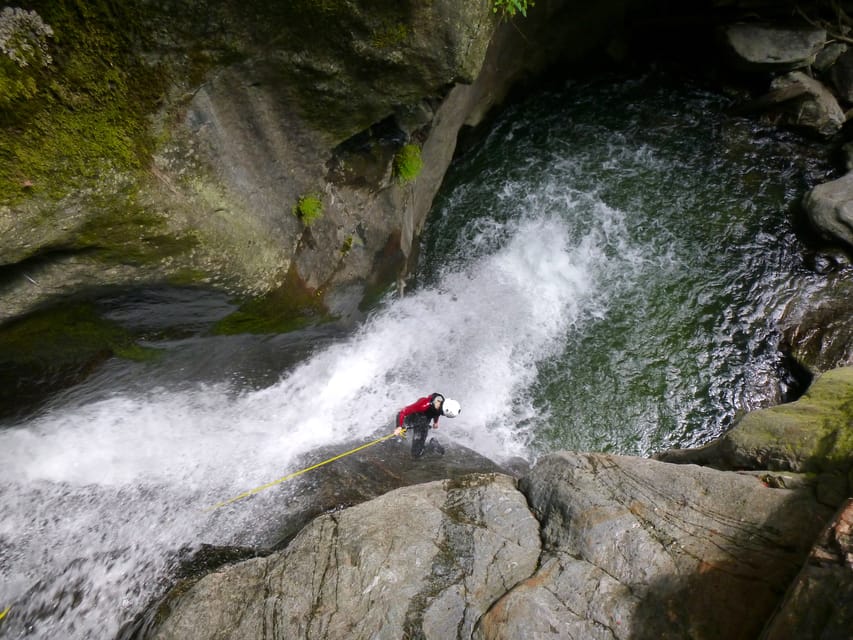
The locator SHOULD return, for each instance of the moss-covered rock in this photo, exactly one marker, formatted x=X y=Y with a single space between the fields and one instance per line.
x=56 y=348
x=196 y=125
x=86 y=111
x=290 y=307
x=813 y=435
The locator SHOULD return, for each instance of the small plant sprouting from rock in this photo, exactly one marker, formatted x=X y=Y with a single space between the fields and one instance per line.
x=408 y=163
x=509 y=8
x=309 y=208
x=347 y=245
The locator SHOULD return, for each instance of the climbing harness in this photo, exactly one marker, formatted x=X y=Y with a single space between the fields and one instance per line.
x=252 y=492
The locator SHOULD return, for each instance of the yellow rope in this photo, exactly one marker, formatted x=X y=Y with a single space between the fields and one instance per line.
x=5 y=611
x=252 y=492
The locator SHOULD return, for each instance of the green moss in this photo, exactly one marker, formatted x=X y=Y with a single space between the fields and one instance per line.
x=816 y=430
x=125 y=232
x=408 y=163
x=347 y=245
x=65 y=336
x=86 y=111
x=289 y=308
x=390 y=35
x=16 y=83
x=309 y=209
x=54 y=349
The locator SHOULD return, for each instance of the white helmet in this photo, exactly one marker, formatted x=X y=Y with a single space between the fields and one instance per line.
x=451 y=408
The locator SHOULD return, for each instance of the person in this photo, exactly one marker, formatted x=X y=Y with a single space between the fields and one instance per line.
x=417 y=417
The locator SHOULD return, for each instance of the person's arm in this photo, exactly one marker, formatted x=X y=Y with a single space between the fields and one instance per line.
x=419 y=405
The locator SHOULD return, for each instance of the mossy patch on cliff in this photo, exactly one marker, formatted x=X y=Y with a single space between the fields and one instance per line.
x=87 y=110
x=813 y=433
x=408 y=163
x=57 y=348
x=66 y=335
x=291 y=307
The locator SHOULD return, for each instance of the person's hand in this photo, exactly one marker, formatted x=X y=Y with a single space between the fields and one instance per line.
x=398 y=431
x=435 y=425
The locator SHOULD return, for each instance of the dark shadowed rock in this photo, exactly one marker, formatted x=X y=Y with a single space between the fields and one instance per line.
x=817 y=329
x=811 y=105
x=819 y=603
x=830 y=209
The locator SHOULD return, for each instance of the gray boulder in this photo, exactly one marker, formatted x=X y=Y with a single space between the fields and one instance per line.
x=808 y=103
x=423 y=561
x=641 y=549
x=829 y=206
x=819 y=603
x=770 y=47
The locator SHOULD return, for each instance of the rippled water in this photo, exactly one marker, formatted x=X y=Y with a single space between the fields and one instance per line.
x=603 y=272
x=673 y=222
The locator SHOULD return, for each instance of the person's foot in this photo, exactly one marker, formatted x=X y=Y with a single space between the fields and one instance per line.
x=436 y=446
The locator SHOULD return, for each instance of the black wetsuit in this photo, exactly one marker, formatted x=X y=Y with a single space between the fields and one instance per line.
x=416 y=418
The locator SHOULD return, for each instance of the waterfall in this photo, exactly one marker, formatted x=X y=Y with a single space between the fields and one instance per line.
x=593 y=280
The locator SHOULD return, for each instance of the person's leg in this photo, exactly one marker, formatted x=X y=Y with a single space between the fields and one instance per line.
x=435 y=445
x=419 y=435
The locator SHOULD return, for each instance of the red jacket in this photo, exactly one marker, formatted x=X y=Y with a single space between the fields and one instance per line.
x=422 y=411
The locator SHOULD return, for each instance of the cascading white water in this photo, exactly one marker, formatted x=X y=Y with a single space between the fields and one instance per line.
x=550 y=305
x=97 y=496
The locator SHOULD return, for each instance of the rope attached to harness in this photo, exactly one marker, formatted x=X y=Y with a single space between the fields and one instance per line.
x=252 y=492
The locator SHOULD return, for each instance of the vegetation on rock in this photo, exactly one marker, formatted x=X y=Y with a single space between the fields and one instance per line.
x=54 y=348
x=510 y=8
x=408 y=163
x=309 y=209
x=289 y=308
x=813 y=432
x=78 y=105
x=23 y=52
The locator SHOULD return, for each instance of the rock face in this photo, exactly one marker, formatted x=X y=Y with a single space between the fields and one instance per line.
x=822 y=595
x=423 y=561
x=812 y=435
x=830 y=208
x=650 y=550
x=254 y=116
x=630 y=548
